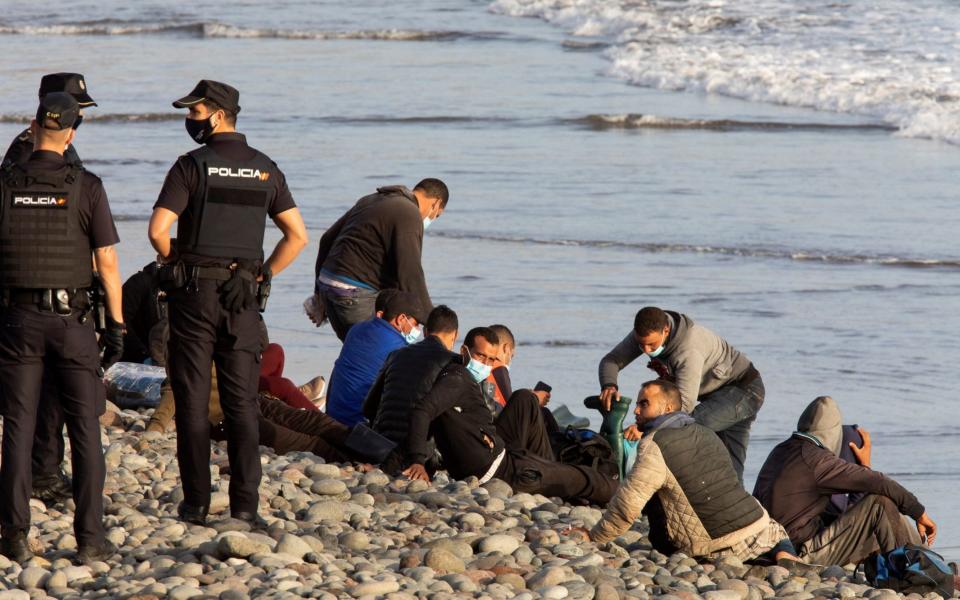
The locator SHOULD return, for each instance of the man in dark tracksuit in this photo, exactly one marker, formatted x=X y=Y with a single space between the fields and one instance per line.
x=52 y=217
x=220 y=196
x=376 y=245
x=50 y=483
x=514 y=448
x=802 y=473
x=406 y=378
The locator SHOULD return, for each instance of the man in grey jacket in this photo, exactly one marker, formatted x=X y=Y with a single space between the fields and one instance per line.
x=718 y=384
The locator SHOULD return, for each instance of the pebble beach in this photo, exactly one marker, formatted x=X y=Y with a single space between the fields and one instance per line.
x=337 y=531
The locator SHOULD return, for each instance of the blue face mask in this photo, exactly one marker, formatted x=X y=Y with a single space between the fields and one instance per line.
x=426 y=222
x=478 y=370
x=414 y=334
x=656 y=352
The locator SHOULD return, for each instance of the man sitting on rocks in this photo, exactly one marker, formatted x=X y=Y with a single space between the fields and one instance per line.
x=514 y=447
x=707 y=514
x=802 y=473
x=365 y=349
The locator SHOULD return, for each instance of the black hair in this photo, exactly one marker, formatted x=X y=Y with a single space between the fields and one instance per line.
x=229 y=115
x=483 y=332
x=670 y=390
x=383 y=299
x=434 y=188
x=442 y=319
x=650 y=318
x=503 y=332
x=401 y=303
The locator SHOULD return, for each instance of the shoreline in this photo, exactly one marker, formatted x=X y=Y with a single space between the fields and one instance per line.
x=336 y=532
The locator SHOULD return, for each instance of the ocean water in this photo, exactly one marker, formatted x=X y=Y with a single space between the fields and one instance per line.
x=782 y=172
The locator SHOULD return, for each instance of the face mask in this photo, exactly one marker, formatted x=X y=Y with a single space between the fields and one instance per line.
x=199 y=130
x=478 y=370
x=414 y=334
x=76 y=124
x=426 y=222
x=656 y=352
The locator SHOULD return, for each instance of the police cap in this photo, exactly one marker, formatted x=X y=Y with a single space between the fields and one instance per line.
x=225 y=96
x=71 y=83
x=58 y=111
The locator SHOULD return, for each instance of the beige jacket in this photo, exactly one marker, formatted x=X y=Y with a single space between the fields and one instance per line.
x=650 y=476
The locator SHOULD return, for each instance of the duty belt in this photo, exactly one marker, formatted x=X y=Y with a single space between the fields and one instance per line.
x=221 y=273
x=59 y=301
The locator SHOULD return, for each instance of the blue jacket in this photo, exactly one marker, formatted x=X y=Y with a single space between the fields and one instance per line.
x=364 y=351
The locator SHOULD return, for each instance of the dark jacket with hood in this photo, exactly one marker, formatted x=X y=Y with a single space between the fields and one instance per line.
x=801 y=473
x=685 y=465
x=406 y=377
x=697 y=359
x=455 y=413
x=378 y=243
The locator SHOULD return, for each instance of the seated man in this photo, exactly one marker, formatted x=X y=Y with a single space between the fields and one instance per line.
x=514 y=448
x=274 y=383
x=719 y=386
x=799 y=477
x=142 y=310
x=498 y=388
x=364 y=351
x=408 y=375
x=685 y=466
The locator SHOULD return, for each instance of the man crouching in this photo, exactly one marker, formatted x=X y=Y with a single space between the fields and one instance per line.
x=706 y=513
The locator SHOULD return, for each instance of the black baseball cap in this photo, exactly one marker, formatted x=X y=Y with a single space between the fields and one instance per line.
x=60 y=107
x=71 y=83
x=225 y=96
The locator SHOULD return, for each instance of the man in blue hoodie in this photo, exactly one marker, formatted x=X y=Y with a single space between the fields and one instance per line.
x=366 y=347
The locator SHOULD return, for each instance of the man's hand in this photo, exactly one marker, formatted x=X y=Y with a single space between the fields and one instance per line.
x=543 y=397
x=580 y=534
x=863 y=452
x=417 y=471
x=315 y=309
x=927 y=529
x=608 y=396
x=112 y=343
x=632 y=433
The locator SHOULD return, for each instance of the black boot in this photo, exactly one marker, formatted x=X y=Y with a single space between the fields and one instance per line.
x=93 y=553
x=51 y=489
x=196 y=515
x=16 y=548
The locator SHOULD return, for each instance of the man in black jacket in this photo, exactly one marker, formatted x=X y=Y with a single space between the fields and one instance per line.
x=408 y=375
x=376 y=245
x=142 y=310
x=800 y=475
x=513 y=448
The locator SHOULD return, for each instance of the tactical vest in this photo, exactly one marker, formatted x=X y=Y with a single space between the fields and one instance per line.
x=42 y=243
x=228 y=211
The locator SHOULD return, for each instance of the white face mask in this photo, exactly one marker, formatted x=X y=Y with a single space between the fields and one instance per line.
x=414 y=334
x=426 y=222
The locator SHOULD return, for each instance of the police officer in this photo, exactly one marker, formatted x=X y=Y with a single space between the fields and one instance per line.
x=52 y=216
x=220 y=195
x=50 y=483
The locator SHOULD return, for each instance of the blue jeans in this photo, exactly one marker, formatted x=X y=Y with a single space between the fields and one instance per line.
x=345 y=308
x=730 y=411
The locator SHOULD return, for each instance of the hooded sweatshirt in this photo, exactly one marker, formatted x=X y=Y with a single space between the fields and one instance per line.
x=699 y=360
x=801 y=473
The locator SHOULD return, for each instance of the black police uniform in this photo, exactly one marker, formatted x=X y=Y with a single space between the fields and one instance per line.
x=52 y=216
x=223 y=193
x=48 y=446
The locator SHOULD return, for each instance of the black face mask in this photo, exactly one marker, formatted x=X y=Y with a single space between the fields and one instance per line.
x=76 y=124
x=199 y=130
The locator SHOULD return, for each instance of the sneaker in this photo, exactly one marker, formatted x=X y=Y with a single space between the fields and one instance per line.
x=16 y=547
x=314 y=389
x=52 y=489
x=90 y=554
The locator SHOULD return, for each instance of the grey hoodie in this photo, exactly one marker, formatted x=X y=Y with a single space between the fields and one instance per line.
x=822 y=420
x=699 y=360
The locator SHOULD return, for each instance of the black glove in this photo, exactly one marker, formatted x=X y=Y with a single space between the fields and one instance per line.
x=235 y=293
x=112 y=339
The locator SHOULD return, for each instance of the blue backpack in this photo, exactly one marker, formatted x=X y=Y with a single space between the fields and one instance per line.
x=910 y=569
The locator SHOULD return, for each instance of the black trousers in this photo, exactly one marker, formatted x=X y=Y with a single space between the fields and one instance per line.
x=288 y=429
x=48 y=445
x=529 y=465
x=201 y=332
x=33 y=343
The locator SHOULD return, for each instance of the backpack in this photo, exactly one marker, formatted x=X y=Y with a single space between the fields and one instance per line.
x=910 y=569
x=585 y=448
